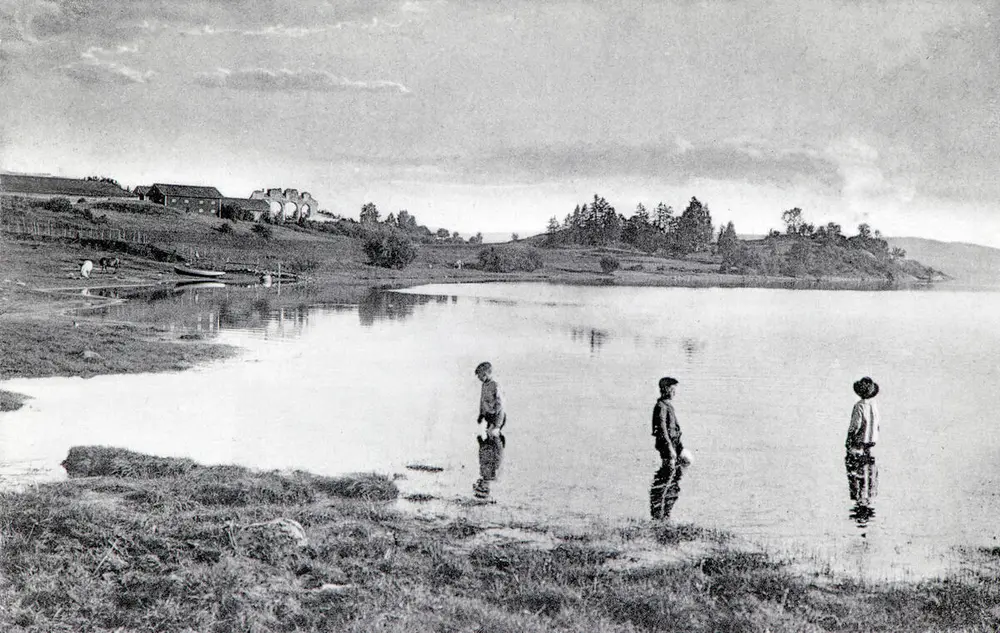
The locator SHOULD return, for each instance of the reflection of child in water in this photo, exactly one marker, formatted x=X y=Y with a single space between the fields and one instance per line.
x=862 y=481
x=491 y=450
x=665 y=489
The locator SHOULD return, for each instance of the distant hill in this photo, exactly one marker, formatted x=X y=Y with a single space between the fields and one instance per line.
x=965 y=263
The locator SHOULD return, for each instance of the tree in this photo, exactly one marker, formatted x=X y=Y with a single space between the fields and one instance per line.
x=390 y=220
x=369 y=213
x=514 y=237
x=442 y=234
x=406 y=221
x=664 y=217
x=898 y=253
x=476 y=239
x=727 y=241
x=553 y=225
x=456 y=237
x=694 y=228
x=793 y=221
x=864 y=231
x=390 y=248
x=641 y=232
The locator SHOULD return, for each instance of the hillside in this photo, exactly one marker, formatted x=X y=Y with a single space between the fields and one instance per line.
x=966 y=264
x=794 y=257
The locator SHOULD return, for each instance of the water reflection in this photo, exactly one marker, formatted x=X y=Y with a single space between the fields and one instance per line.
x=665 y=489
x=862 y=480
x=491 y=450
x=380 y=305
x=595 y=338
x=692 y=347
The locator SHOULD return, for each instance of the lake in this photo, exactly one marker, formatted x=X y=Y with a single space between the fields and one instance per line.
x=764 y=401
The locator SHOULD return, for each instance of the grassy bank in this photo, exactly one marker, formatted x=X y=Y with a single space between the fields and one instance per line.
x=135 y=543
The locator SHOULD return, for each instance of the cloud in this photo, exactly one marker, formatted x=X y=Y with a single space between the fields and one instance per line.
x=97 y=65
x=677 y=161
x=264 y=80
x=280 y=30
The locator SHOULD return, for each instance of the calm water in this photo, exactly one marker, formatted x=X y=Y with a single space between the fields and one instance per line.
x=764 y=401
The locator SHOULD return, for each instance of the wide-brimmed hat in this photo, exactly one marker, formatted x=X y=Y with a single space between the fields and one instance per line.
x=866 y=388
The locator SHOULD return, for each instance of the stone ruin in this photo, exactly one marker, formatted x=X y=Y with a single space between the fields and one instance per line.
x=287 y=204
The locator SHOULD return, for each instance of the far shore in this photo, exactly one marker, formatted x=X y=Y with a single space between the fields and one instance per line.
x=45 y=328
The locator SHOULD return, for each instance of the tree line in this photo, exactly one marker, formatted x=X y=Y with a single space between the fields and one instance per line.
x=597 y=223
x=407 y=223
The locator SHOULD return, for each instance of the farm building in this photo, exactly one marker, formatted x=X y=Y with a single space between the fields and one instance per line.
x=141 y=192
x=259 y=208
x=52 y=187
x=287 y=204
x=186 y=197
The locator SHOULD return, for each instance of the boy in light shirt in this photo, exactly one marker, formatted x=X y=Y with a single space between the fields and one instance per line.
x=862 y=434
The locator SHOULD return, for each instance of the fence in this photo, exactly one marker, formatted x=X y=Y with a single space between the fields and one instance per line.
x=55 y=231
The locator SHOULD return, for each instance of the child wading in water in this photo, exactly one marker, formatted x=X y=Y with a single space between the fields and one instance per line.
x=492 y=446
x=862 y=434
x=665 y=428
x=490 y=401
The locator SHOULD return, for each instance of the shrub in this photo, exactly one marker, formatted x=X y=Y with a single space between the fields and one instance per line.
x=59 y=205
x=610 y=264
x=505 y=259
x=235 y=213
x=81 y=200
x=225 y=227
x=389 y=248
x=263 y=230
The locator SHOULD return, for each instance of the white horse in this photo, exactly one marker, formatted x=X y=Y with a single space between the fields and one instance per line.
x=86 y=268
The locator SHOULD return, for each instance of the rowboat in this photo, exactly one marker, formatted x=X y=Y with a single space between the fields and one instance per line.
x=197 y=272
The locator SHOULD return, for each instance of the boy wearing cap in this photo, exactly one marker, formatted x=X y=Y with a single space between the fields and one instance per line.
x=490 y=401
x=862 y=434
x=665 y=428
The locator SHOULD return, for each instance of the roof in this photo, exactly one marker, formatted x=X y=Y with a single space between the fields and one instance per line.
x=188 y=191
x=20 y=183
x=141 y=189
x=250 y=204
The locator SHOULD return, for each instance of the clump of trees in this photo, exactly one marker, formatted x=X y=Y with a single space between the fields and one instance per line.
x=110 y=181
x=805 y=249
x=598 y=224
x=389 y=248
x=507 y=259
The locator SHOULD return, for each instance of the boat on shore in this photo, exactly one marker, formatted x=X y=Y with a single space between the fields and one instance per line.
x=197 y=272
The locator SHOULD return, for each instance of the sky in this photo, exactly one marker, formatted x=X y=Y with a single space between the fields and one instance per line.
x=495 y=115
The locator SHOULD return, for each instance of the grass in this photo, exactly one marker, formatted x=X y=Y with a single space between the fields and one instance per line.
x=60 y=346
x=10 y=401
x=137 y=543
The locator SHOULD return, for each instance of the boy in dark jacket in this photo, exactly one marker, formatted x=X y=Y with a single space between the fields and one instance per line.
x=665 y=428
